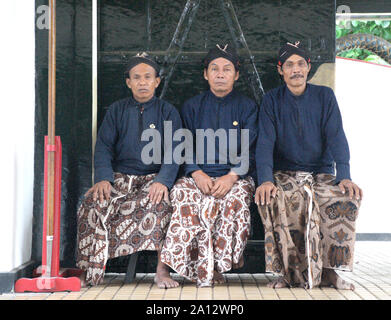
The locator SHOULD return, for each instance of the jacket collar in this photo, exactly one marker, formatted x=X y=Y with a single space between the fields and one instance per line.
x=303 y=95
x=146 y=105
x=222 y=99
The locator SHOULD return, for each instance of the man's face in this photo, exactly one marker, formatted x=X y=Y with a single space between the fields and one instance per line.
x=143 y=82
x=221 y=76
x=295 y=71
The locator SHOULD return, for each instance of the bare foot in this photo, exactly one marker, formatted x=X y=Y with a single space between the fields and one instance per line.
x=162 y=278
x=330 y=277
x=164 y=281
x=277 y=284
x=218 y=278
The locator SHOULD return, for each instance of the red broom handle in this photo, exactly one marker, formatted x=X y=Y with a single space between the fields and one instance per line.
x=51 y=116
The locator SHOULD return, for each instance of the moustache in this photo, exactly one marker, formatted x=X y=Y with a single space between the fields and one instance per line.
x=297 y=76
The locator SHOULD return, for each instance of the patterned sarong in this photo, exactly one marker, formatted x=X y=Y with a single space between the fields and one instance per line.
x=207 y=234
x=310 y=225
x=128 y=224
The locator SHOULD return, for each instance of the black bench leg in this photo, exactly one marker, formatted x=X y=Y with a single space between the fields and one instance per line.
x=131 y=272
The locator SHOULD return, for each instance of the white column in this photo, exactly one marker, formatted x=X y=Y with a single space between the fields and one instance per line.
x=17 y=65
x=363 y=93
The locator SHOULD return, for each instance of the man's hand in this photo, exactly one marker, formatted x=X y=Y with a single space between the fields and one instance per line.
x=157 y=192
x=102 y=190
x=353 y=189
x=264 y=191
x=223 y=185
x=203 y=181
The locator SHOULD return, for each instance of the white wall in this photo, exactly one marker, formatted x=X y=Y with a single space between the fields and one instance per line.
x=363 y=91
x=17 y=73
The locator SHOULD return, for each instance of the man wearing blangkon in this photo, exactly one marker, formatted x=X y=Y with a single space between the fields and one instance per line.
x=308 y=213
x=128 y=210
x=210 y=223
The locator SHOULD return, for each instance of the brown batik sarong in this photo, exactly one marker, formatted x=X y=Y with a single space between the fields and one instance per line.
x=207 y=234
x=128 y=224
x=310 y=225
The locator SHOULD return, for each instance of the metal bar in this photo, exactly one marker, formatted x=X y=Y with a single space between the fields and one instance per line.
x=240 y=43
x=363 y=16
x=179 y=38
x=94 y=79
x=131 y=270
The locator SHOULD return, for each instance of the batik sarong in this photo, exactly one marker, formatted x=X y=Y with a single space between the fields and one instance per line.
x=309 y=225
x=127 y=224
x=205 y=233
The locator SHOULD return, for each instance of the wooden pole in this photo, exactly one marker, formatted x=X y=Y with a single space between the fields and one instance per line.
x=51 y=130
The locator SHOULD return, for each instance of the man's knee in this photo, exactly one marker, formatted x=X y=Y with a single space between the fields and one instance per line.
x=185 y=188
x=89 y=203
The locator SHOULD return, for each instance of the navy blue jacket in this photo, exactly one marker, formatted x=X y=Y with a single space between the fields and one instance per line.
x=301 y=133
x=119 y=145
x=207 y=111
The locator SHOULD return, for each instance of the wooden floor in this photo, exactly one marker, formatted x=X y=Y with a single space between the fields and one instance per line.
x=371 y=276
